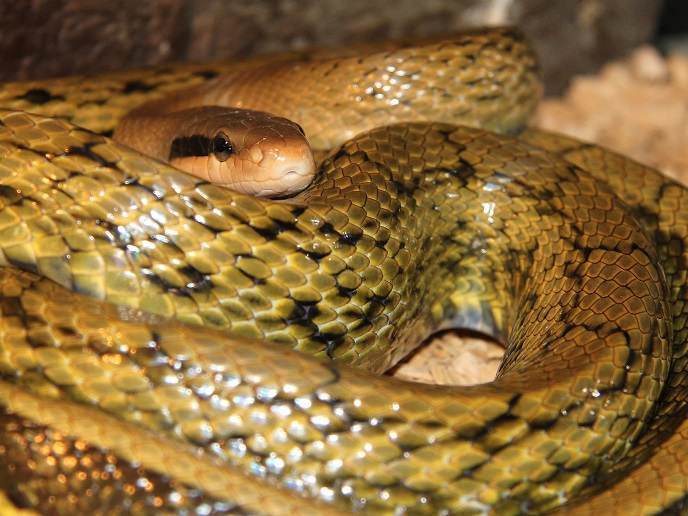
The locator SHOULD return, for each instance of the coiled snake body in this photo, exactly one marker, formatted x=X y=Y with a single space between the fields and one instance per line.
x=575 y=257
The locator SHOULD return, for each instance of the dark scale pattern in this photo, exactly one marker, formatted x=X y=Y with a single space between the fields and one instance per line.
x=660 y=457
x=408 y=229
x=97 y=103
x=39 y=96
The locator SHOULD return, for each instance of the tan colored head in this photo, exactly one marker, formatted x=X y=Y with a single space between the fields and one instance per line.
x=247 y=151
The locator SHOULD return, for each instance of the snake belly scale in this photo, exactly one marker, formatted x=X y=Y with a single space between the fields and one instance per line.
x=573 y=256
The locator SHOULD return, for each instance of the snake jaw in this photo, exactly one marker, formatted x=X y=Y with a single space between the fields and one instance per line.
x=294 y=176
x=274 y=166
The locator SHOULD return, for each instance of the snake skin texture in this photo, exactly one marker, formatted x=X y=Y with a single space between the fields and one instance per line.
x=123 y=390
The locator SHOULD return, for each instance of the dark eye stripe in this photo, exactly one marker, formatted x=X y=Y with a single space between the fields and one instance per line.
x=195 y=145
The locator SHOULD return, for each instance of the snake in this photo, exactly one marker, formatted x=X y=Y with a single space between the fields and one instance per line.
x=170 y=346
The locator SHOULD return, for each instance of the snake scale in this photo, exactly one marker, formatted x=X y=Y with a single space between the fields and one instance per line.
x=123 y=391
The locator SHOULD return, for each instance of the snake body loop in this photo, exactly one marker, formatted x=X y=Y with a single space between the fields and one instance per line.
x=573 y=256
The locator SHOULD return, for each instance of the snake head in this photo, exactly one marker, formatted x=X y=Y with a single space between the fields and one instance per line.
x=251 y=152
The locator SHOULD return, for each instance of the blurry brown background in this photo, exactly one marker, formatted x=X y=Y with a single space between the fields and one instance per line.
x=48 y=38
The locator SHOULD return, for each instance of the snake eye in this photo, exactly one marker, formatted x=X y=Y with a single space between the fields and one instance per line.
x=222 y=149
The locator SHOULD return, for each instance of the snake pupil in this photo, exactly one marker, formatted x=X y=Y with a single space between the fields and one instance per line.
x=221 y=147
